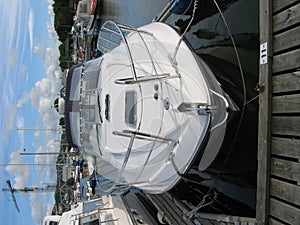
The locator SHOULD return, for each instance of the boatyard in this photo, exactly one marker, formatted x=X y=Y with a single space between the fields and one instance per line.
x=177 y=112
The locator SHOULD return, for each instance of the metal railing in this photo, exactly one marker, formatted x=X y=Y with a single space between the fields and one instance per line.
x=143 y=136
x=111 y=36
x=145 y=79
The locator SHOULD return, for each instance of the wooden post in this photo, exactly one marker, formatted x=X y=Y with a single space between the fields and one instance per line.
x=264 y=120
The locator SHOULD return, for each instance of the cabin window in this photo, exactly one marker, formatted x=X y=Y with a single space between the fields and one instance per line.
x=107 y=107
x=130 y=108
x=91 y=84
x=88 y=106
x=75 y=127
x=83 y=8
x=53 y=223
x=75 y=85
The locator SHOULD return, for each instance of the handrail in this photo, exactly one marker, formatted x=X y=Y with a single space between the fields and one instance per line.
x=146 y=78
x=143 y=136
x=111 y=30
x=125 y=27
x=108 y=220
x=110 y=26
x=110 y=34
x=108 y=40
x=136 y=135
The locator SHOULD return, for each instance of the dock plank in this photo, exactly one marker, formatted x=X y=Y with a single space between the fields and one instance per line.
x=285 y=212
x=285 y=169
x=173 y=213
x=286 y=191
x=286 y=82
x=279 y=4
x=264 y=115
x=286 y=18
x=274 y=222
x=288 y=147
x=286 y=104
x=286 y=125
x=286 y=40
x=286 y=61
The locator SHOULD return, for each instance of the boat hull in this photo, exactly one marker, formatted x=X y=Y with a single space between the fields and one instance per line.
x=174 y=117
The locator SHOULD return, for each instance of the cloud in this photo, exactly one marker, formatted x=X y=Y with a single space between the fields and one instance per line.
x=10 y=119
x=38 y=209
x=21 y=175
x=24 y=69
x=20 y=123
x=40 y=205
x=41 y=97
x=8 y=123
x=12 y=58
x=46 y=172
x=30 y=28
x=40 y=49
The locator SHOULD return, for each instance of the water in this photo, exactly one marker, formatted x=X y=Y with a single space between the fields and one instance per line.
x=131 y=12
x=231 y=180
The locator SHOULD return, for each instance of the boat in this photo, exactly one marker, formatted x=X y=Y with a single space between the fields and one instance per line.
x=108 y=209
x=93 y=6
x=181 y=7
x=84 y=16
x=177 y=7
x=145 y=109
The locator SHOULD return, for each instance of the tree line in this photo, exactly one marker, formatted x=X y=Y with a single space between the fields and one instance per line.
x=63 y=21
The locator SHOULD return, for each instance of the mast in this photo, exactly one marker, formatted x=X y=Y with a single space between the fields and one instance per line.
x=33 y=164
x=46 y=188
x=12 y=192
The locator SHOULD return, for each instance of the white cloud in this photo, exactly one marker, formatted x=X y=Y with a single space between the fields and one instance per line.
x=40 y=205
x=46 y=173
x=9 y=122
x=10 y=119
x=21 y=174
x=40 y=49
x=12 y=57
x=30 y=28
x=24 y=69
x=20 y=123
x=38 y=209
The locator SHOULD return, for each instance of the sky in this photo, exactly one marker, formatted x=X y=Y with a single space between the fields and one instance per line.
x=30 y=81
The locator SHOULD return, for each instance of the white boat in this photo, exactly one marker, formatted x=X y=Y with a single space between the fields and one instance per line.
x=145 y=109
x=107 y=210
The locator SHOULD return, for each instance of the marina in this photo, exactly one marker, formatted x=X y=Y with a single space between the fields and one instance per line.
x=202 y=176
x=178 y=112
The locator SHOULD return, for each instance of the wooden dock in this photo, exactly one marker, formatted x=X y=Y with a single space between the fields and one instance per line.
x=278 y=190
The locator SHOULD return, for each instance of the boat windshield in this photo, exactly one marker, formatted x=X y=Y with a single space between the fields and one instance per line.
x=53 y=223
x=90 y=118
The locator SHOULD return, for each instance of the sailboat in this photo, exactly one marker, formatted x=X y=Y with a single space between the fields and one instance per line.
x=105 y=210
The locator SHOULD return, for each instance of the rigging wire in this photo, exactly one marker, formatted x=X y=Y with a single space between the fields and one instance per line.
x=173 y=58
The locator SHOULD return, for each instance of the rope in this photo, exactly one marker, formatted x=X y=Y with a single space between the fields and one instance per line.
x=196 y=3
